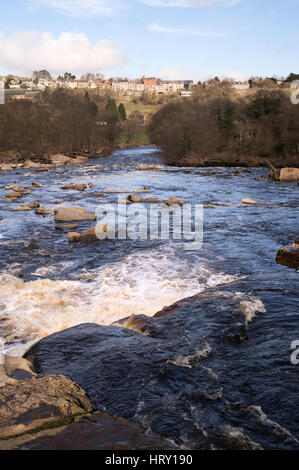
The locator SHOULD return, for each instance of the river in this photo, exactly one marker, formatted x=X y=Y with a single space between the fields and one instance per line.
x=48 y=285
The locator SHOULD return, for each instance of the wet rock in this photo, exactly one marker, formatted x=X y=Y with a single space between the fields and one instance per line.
x=250 y=201
x=214 y=172
x=172 y=201
x=151 y=166
x=224 y=204
x=34 y=204
x=66 y=226
x=43 y=211
x=77 y=187
x=59 y=159
x=43 y=168
x=96 y=431
x=151 y=200
x=289 y=174
x=35 y=184
x=111 y=191
x=22 y=207
x=58 y=201
x=14 y=187
x=16 y=194
x=144 y=190
x=91 y=235
x=5 y=167
x=288 y=256
x=28 y=405
x=12 y=197
x=69 y=214
x=134 y=198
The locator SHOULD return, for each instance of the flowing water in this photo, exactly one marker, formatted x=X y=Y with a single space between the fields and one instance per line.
x=48 y=285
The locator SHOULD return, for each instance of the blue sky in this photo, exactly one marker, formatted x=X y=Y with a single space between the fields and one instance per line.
x=167 y=38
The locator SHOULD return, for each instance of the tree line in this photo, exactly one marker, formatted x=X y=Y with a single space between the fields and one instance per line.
x=218 y=126
x=63 y=121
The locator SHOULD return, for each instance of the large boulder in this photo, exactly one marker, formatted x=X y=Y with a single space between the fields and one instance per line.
x=288 y=256
x=289 y=174
x=91 y=235
x=70 y=214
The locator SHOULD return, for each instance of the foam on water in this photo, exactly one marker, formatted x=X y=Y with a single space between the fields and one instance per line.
x=141 y=283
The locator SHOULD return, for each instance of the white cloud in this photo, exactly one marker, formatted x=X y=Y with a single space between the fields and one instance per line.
x=90 y=8
x=80 y=8
x=187 y=3
x=26 y=51
x=162 y=29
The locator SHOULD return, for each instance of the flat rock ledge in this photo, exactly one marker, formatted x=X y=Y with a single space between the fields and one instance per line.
x=28 y=405
x=54 y=413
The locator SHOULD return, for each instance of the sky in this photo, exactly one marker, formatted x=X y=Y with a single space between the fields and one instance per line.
x=170 y=39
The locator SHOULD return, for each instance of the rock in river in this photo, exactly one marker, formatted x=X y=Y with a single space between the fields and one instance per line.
x=77 y=187
x=70 y=214
x=289 y=174
x=43 y=211
x=288 y=256
x=90 y=235
x=173 y=200
x=250 y=201
x=35 y=184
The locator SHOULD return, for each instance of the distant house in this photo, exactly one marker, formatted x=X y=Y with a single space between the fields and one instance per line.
x=102 y=85
x=150 y=84
x=2 y=83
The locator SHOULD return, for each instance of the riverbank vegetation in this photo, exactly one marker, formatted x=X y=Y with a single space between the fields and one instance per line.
x=66 y=122
x=218 y=126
